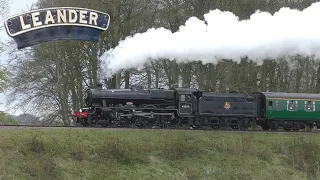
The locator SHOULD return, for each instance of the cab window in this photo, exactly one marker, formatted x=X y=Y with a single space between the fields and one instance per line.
x=182 y=98
x=185 y=98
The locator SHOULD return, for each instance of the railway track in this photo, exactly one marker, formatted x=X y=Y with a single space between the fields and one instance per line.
x=151 y=129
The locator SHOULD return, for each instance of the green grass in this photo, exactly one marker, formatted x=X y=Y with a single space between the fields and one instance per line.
x=104 y=154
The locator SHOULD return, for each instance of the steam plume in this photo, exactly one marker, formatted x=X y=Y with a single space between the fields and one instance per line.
x=287 y=32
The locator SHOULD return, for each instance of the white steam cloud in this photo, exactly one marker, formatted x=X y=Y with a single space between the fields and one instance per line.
x=287 y=32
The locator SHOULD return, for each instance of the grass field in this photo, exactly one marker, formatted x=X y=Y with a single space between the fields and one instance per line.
x=104 y=154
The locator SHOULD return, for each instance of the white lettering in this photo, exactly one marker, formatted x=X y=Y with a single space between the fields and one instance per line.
x=93 y=17
x=82 y=17
x=35 y=19
x=62 y=17
x=23 y=25
x=185 y=106
x=49 y=18
x=57 y=17
x=75 y=16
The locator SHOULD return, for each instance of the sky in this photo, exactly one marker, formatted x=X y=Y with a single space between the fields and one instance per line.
x=16 y=7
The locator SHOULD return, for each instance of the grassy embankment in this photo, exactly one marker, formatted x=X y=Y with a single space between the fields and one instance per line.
x=102 y=154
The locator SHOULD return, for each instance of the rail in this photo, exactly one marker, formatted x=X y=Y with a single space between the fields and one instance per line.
x=176 y=129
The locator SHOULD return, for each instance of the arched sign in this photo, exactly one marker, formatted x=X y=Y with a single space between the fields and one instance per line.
x=59 y=23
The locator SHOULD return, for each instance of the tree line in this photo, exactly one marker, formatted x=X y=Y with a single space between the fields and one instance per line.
x=52 y=76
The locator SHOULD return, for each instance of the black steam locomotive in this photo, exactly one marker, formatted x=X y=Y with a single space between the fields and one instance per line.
x=170 y=108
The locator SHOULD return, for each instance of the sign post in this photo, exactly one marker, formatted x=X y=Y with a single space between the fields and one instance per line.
x=60 y=23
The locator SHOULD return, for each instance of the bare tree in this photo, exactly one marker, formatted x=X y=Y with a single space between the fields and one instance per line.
x=52 y=76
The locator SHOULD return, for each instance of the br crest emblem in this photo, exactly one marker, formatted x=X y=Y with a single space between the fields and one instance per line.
x=227 y=105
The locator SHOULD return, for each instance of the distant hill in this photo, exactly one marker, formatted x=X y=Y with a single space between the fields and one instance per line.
x=25 y=119
x=5 y=120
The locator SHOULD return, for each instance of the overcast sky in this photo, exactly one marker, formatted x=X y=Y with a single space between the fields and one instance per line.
x=16 y=7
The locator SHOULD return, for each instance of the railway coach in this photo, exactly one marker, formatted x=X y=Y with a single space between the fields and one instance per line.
x=290 y=111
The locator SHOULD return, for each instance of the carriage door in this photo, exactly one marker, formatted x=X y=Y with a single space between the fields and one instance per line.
x=185 y=105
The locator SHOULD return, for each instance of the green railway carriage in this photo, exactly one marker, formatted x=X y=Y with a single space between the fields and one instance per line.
x=292 y=111
x=292 y=106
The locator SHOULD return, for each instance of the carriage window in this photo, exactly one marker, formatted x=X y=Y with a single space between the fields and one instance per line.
x=309 y=106
x=269 y=104
x=279 y=105
x=292 y=105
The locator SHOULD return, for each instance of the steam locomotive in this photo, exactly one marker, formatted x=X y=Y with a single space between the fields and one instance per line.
x=194 y=109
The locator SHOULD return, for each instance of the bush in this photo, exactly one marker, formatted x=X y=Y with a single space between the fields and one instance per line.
x=123 y=151
x=42 y=167
x=178 y=147
x=5 y=120
x=304 y=154
x=104 y=154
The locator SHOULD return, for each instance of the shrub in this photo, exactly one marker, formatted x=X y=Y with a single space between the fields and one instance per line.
x=179 y=147
x=123 y=151
x=304 y=154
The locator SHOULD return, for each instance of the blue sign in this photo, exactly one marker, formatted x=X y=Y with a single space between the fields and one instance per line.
x=60 y=23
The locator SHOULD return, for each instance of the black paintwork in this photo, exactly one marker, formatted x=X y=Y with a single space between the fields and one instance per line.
x=122 y=96
x=213 y=104
x=188 y=101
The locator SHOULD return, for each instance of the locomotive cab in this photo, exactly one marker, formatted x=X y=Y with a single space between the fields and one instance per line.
x=186 y=101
